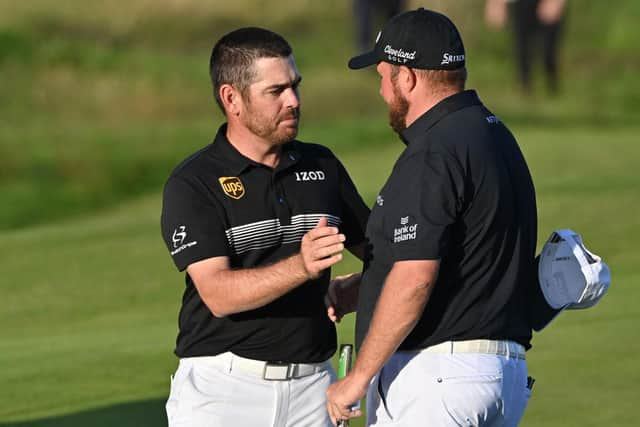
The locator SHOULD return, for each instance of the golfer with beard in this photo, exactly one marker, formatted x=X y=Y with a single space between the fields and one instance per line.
x=257 y=219
x=441 y=325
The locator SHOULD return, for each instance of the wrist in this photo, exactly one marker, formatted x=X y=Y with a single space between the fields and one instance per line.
x=300 y=268
x=361 y=377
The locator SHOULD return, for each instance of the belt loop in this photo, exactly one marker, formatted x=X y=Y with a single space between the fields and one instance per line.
x=292 y=371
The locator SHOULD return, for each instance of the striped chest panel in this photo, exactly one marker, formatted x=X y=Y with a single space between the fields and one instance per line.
x=270 y=233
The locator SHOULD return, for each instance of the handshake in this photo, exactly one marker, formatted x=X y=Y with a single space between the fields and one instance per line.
x=320 y=248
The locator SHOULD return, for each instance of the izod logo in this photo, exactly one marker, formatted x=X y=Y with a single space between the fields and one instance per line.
x=232 y=186
x=309 y=176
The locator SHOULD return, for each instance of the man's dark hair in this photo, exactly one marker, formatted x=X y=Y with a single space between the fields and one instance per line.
x=233 y=57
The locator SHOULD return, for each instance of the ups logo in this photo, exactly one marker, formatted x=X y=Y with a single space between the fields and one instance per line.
x=232 y=186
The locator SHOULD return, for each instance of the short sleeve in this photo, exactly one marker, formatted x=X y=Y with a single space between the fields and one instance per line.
x=354 y=211
x=191 y=223
x=419 y=221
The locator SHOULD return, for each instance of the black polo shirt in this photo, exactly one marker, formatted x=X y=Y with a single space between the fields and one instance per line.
x=461 y=192
x=220 y=203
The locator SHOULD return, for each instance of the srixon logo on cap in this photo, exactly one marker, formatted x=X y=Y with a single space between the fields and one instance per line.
x=448 y=58
x=232 y=186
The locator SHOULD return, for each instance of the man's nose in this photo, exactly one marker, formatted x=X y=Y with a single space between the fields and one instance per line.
x=292 y=98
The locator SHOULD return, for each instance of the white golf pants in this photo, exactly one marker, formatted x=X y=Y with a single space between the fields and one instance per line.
x=449 y=389
x=205 y=394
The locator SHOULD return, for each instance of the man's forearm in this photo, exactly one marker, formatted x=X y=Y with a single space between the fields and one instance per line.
x=226 y=291
x=234 y=291
x=400 y=306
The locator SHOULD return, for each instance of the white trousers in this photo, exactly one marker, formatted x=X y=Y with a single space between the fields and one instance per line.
x=203 y=395
x=437 y=390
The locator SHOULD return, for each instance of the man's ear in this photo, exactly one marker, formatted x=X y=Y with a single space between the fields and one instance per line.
x=231 y=99
x=408 y=78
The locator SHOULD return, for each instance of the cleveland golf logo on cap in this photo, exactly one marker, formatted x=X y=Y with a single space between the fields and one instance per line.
x=398 y=55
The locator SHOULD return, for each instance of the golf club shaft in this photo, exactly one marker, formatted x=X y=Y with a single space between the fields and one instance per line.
x=344 y=366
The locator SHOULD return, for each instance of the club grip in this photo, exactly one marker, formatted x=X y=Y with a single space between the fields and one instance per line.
x=344 y=366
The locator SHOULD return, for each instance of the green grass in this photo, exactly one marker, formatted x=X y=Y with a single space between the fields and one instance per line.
x=89 y=309
x=99 y=100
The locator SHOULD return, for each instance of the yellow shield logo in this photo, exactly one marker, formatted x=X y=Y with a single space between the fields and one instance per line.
x=232 y=186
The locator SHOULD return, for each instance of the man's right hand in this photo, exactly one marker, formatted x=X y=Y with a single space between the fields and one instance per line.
x=321 y=248
x=342 y=296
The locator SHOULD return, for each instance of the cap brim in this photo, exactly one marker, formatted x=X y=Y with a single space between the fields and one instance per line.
x=364 y=60
x=539 y=312
x=553 y=286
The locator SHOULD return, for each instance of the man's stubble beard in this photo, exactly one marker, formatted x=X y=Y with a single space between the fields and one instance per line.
x=398 y=109
x=269 y=130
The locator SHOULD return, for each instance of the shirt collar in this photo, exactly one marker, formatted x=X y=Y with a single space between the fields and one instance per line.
x=237 y=162
x=290 y=155
x=436 y=113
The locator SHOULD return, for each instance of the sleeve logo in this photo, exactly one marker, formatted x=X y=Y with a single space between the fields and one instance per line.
x=179 y=234
x=232 y=186
x=406 y=231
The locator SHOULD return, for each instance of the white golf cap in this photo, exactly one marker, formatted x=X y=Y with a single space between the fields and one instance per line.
x=570 y=276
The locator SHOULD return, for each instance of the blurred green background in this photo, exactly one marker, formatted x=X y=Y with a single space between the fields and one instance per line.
x=98 y=102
